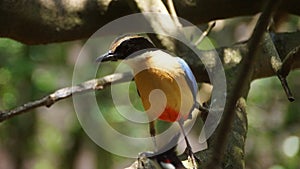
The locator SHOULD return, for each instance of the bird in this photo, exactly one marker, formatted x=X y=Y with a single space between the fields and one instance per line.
x=155 y=69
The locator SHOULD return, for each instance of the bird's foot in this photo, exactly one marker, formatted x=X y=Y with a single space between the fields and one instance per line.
x=144 y=160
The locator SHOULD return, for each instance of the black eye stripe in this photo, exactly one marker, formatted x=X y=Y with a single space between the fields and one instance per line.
x=126 y=46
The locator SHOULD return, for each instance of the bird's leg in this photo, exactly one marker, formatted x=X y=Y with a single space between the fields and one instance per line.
x=152 y=133
x=188 y=146
x=202 y=108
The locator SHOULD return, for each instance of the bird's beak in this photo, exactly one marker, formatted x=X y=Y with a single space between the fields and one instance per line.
x=109 y=56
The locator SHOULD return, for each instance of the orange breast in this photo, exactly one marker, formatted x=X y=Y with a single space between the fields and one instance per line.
x=177 y=100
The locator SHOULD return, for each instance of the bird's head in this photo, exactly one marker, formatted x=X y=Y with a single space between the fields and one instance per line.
x=124 y=46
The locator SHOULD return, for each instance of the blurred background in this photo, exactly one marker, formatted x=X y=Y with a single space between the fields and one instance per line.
x=52 y=138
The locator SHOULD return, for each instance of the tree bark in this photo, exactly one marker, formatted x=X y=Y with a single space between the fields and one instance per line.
x=40 y=22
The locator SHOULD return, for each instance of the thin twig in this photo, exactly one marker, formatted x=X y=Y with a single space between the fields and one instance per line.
x=161 y=25
x=91 y=85
x=240 y=84
x=286 y=87
x=285 y=69
x=288 y=61
x=206 y=32
x=277 y=65
x=173 y=13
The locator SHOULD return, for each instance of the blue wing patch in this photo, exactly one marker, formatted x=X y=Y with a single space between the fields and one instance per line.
x=190 y=78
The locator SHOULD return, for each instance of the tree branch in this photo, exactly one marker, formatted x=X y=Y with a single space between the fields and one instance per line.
x=241 y=84
x=65 y=20
x=91 y=85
